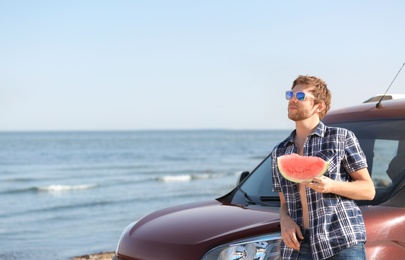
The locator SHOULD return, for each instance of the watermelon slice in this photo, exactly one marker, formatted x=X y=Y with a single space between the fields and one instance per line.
x=297 y=168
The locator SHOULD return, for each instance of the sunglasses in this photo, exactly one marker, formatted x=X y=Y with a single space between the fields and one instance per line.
x=300 y=96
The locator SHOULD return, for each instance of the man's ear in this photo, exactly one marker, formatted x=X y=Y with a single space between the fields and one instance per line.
x=321 y=106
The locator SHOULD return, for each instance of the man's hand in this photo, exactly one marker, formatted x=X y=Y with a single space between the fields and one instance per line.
x=321 y=184
x=290 y=232
x=361 y=187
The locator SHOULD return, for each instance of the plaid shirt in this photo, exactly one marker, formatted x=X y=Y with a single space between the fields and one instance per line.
x=336 y=222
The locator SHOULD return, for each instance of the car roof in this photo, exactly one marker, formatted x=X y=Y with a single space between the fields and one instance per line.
x=379 y=97
x=369 y=111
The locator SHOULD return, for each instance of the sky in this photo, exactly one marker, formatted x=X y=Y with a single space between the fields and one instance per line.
x=162 y=65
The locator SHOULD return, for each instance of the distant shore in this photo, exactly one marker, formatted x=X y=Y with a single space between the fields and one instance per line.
x=98 y=256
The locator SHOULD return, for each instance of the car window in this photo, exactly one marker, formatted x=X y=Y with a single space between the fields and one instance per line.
x=384 y=152
x=383 y=143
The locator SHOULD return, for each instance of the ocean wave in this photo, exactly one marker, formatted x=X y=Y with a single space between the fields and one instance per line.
x=191 y=177
x=59 y=188
x=174 y=178
x=51 y=188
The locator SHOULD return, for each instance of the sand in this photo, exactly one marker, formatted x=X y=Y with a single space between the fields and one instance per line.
x=99 y=256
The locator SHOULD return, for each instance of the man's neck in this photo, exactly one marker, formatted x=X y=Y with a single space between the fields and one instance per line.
x=306 y=127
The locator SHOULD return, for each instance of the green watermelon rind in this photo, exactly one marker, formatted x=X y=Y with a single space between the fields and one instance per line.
x=282 y=159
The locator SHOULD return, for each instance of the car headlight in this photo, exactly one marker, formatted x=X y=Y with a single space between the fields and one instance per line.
x=266 y=247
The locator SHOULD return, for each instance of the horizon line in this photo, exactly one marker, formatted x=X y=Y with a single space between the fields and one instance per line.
x=144 y=130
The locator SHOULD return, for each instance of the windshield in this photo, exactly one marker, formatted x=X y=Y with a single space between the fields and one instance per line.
x=383 y=142
x=259 y=184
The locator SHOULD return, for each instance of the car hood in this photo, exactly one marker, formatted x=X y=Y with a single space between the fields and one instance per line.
x=195 y=228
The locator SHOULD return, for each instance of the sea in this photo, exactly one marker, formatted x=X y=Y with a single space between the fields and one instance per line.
x=66 y=194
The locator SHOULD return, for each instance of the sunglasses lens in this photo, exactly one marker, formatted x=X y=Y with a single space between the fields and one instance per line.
x=289 y=95
x=300 y=96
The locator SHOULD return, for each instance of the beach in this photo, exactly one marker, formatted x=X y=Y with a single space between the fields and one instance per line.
x=99 y=256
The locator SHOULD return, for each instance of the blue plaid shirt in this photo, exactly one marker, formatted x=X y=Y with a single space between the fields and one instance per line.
x=336 y=222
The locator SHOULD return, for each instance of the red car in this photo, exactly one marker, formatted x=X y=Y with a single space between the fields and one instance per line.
x=244 y=224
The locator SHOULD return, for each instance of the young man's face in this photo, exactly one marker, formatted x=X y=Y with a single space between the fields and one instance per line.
x=301 y=110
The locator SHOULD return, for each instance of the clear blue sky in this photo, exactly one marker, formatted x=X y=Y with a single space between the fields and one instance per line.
x=129 y=65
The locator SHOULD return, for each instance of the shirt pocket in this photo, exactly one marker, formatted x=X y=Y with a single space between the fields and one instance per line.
x=331 y=157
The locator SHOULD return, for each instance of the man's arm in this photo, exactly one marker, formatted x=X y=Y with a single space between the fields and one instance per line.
x=361 y=188
x=290 y=231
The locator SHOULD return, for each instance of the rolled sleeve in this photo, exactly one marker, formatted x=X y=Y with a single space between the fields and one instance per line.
x=355 y=157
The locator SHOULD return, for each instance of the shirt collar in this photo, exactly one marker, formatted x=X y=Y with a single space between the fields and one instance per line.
x=320 y=130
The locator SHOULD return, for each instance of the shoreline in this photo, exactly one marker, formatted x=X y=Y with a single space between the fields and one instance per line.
x=96 y=256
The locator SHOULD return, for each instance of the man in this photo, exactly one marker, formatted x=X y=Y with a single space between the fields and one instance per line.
x=319 y=219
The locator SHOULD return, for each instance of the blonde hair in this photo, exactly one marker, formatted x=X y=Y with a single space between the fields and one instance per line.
x=319 y=90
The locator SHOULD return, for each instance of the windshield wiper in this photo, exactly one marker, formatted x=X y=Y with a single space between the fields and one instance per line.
x=274 y=201
x=247 y=197
x=269 y=198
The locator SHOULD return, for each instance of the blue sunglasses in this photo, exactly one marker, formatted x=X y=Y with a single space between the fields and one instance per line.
x=300 y=96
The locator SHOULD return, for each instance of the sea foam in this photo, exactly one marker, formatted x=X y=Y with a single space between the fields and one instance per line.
x=58 y=187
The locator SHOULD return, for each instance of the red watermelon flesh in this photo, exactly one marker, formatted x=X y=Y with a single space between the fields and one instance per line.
x=299 y=168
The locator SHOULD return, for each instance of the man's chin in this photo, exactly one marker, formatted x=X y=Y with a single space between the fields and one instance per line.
x=295 y=118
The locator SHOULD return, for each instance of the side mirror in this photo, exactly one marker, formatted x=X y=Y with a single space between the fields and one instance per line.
x=242 y=176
